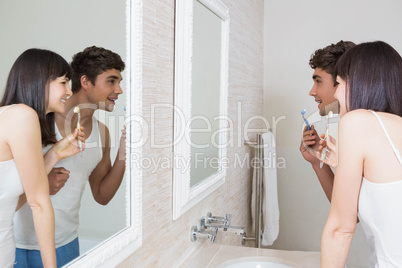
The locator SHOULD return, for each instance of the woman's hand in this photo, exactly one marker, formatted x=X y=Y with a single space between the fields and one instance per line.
x=330 y=150
x=69 y=146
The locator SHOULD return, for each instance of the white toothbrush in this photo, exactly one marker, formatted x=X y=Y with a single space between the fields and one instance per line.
x=303 y=112
x=77 y=111
x=324 y=150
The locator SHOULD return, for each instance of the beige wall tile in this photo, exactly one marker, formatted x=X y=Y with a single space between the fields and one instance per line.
x=166 y=243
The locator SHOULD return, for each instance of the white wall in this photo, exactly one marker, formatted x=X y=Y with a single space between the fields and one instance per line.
x=67 y=27
x=293 y=31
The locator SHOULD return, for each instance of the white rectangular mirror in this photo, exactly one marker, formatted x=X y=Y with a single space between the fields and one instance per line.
x=118 y=247
x=201 y=82
x=205 y=92
x=108 y=234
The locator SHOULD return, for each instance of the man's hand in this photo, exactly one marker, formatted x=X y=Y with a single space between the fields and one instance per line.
x=309 y=145
x=122 y=146
x=57 y=179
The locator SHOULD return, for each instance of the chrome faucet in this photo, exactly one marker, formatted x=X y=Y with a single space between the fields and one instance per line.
x=210 y=225
x=214 y=219
x=221 y=223
x=203 y=233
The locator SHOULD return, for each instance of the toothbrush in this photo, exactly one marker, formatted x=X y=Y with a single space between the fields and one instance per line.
x=77 y=111
x=324 y=150
x=303 y=112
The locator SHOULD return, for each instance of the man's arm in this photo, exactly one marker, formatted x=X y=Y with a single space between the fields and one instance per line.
x=105 y=179
x=309 y=150
x=326 y=178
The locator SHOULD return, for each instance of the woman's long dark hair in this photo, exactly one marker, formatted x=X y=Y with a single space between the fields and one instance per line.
x=28 y=83
x=373 y=75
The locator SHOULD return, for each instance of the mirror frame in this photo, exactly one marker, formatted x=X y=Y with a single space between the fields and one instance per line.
x=117 y=248
x=184 y=196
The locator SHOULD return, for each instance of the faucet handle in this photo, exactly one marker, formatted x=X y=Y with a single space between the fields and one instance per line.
x=214 y=232
x=209 y=219
x=228 y=219
x=209 y=234
x=193 y=233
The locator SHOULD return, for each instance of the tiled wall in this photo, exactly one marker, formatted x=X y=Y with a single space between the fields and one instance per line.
x=166 y=243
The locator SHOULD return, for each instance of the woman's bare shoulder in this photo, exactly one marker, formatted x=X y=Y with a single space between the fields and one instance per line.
x=356 y=120
x=21 y=117
x=357 y=114
x=362 y=117
x=21 y=112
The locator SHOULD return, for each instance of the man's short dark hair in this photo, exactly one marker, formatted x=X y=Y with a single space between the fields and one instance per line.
x=327 y=57
x=92 y=62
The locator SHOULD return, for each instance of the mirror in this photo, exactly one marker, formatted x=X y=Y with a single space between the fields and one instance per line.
x=201 y=81
x=67 y=27
x=205 y=92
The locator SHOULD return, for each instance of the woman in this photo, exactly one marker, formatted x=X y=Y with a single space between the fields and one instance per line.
x=37 y=87
x=368 y=177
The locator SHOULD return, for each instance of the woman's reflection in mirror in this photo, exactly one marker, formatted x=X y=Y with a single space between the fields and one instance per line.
x=96 y=77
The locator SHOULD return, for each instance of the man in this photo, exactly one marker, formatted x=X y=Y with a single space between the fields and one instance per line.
x=96 y=85
x=323 y=62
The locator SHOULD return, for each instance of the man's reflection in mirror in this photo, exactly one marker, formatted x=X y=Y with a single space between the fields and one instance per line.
x=96 y=85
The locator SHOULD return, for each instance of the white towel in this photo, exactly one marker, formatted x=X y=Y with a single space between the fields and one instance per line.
x=253 y=194
x=270 y=208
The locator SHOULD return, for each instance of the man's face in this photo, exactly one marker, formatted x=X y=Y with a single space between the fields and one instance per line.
x=323 y=91
x=106 y=90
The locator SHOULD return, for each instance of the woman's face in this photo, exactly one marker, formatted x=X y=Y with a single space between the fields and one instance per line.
x=59 y=92
x=340 y=94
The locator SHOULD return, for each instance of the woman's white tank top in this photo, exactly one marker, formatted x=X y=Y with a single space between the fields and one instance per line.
x=380 y=214
x=10 y=190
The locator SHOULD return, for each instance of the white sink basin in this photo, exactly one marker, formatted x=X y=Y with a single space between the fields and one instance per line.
x=257 y=262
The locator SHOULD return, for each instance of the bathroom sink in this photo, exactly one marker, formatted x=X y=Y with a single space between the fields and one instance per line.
x=257 y=262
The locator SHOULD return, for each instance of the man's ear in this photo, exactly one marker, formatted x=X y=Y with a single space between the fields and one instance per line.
x=85 y=82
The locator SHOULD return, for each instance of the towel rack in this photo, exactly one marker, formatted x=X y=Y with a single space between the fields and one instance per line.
x=258 y=191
